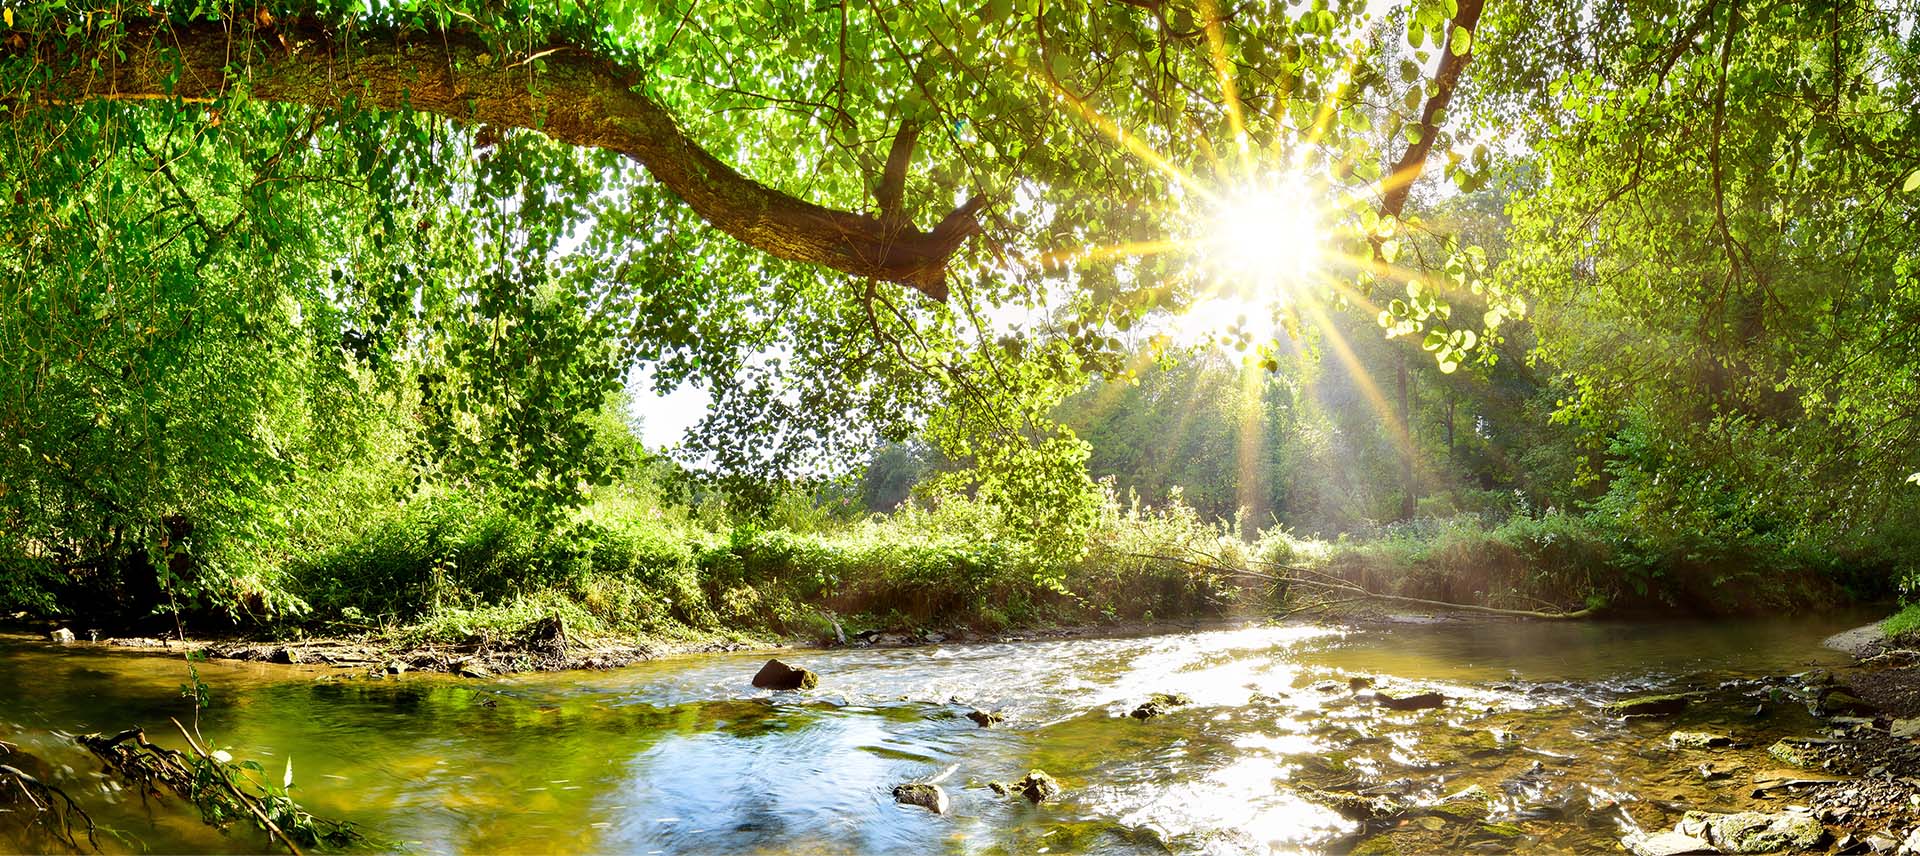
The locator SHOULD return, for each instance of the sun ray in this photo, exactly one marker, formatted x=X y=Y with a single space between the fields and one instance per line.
x=1229 y=89
x=1130 y=249
x=1396 y=429
x=1132 y=144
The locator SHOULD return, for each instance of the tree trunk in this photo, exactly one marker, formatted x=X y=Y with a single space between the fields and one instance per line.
x=564 y=92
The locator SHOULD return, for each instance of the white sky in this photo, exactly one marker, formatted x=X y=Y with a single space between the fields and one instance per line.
x=664 y=419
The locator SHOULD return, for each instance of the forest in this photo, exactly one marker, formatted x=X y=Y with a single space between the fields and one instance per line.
x=344 y=321
x=1620 y=311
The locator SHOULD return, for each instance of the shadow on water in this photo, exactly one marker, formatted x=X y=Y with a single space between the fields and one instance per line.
x=682 y=756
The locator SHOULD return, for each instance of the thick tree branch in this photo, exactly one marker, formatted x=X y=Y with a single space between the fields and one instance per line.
x=891 y=193
x=1445 y=80
x=572 y=96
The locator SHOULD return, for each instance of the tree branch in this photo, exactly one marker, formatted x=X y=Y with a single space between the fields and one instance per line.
x=891 y=194
x=1445 y=80
x=570 y=95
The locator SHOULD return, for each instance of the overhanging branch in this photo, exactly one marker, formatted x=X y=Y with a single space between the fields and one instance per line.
x=570 y=95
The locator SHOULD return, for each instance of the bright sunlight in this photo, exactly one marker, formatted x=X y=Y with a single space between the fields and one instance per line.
x=1267 y=235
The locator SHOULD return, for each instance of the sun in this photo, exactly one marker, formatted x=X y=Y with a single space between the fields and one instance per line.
x=1266 y=234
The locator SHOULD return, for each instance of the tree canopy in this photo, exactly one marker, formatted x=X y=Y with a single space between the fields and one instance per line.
x=251 y=243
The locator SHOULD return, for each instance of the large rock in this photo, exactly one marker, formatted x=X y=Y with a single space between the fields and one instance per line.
x=929 y=797
x=62 y=636
x=1160 y=704
x=776 y=675
x=1755 y=832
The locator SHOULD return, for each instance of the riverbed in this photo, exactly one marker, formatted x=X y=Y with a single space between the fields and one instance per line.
x=682 y=755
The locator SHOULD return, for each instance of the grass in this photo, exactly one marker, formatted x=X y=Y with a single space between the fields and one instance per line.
x=1903 y=627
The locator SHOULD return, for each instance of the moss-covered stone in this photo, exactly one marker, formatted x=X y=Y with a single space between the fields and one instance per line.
x=1379 y=845
x=1037 y=787
x=1470 y=804
x=1502 y=830
x=1351 y=806
x=1755 y=832
x=986 y=718
x=1794 y=751
x=1159 y=704
x=929 y=797
x=1699 y=740
x=1843 y=703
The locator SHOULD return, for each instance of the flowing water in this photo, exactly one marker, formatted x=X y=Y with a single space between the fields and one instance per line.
x=681 y=755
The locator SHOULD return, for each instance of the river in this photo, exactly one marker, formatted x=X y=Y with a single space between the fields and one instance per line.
x=681 y=755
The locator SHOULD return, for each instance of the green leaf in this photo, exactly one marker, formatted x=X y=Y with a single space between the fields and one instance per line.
x=1461 y=42
x=1913 y=182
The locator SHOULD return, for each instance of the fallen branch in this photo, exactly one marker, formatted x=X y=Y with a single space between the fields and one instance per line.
x=150 y=767
x=251 y=806
x=1299 y=575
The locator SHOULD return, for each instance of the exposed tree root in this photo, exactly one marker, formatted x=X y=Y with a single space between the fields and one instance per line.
x=53 y=810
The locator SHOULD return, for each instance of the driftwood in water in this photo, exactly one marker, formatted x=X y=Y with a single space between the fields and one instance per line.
x=222 y=790
x=52 y=810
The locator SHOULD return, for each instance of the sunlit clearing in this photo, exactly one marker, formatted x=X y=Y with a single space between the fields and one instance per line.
x=1267 y=238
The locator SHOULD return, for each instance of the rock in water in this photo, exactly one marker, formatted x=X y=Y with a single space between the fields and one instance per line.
x=62 y=636
x=1037 y=787
x=1160 y=704
x=929 y=797
x=776 y=675
x=986 y=718
x=1422 y=701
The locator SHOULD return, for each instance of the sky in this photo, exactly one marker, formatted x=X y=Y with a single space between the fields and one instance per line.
x=664 y=419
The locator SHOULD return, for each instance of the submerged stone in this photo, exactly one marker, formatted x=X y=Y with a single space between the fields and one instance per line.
x=1423 y=701
x=1471 y=803
x=1379 y=845
x=1352 y=806
x=1669 y=704
x=929 y=797
x=1160 y=704
x=1502 y=830
x=776 y=675
x=1699 y=740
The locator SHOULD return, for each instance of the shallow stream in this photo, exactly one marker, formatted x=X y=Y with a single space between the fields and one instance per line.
x=681 y=755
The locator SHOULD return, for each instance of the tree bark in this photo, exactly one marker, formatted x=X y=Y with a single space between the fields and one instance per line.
x=570 y=95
